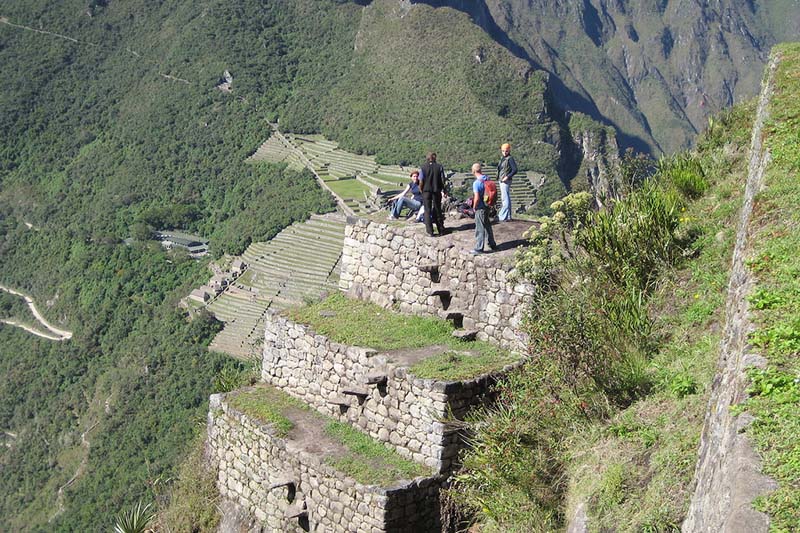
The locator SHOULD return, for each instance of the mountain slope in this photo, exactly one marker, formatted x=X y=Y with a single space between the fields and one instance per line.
x=655 y=70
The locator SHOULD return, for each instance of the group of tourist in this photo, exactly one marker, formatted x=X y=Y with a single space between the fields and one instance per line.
x=427 y=187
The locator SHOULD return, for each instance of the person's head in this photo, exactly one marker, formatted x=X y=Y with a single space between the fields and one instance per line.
x=476 y=169
x=414 y=175
x=431 y=157
x=505 y=148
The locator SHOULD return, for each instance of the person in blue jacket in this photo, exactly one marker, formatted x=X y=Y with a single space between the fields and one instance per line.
x=483 y=224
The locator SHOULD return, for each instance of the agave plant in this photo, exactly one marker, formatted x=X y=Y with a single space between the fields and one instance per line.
x=134 y=521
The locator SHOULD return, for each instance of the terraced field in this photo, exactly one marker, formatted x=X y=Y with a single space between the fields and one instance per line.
x=523 y=190
x=275 y=151
x=358 y=180
x=301 y=262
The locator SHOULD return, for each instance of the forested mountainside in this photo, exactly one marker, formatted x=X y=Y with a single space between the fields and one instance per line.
x=656 y=69
x=113 y=123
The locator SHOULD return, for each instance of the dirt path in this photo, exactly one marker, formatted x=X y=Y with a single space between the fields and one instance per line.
x=59 y=334
x=7 y=22
x=31 y=330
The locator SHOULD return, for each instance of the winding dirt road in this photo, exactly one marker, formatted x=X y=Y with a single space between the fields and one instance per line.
x=57 y=334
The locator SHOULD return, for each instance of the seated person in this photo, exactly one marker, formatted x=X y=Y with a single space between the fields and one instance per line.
x=413 y=203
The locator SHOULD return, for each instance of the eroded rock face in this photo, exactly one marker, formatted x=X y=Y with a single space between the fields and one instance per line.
x=728 y=476
x=599 y=161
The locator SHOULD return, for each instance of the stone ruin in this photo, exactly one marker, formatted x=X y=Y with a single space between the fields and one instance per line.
x=284 y=483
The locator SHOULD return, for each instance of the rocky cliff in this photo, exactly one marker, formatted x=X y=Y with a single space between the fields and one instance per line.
x=655 y=70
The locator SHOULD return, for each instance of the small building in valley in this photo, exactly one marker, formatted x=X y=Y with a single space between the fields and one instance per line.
x=201 y=295
x=196 y=246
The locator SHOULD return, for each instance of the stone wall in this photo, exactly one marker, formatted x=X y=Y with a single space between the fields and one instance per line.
x=728 y=475
x=396 y=407
x=273 y=482
x=388 y=265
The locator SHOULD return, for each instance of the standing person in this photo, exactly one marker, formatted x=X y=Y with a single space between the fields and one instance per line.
x=413 y=203
x=432 y=187
x=483 y=224
x=506 y=169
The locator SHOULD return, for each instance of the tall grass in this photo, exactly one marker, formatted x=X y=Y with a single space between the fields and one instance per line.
x=685 y=173
x=591 y=341
x=634 y=238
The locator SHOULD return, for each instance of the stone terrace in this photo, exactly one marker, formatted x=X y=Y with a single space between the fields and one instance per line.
x=287 y=482
x=283 y=486
x=398 y=264
x=374 y=392
x=301 y=261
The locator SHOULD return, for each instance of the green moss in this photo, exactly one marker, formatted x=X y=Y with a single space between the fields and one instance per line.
x=369 y=461
x=359 y=323
x=457 y=365
x=268 y=405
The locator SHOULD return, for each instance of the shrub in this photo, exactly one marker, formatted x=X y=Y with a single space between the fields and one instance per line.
x=685 y=173
x=634 y=238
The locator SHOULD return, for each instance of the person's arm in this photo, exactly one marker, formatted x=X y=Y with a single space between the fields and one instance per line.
x=476 y=196
x=408 y=188
x=512 y=167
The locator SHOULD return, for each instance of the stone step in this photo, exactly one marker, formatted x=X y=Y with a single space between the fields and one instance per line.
x=296 y=511
x=375 y=379
x=429 y=267
x=454 y=316
x=465 y=334
x=437 y=290
x=280 y=482
x=355 y=391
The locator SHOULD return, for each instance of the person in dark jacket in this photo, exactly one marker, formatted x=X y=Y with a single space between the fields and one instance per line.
x=506 y=169
x=432 y=186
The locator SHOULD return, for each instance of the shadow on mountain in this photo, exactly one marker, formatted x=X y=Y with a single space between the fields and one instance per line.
x=560 y=96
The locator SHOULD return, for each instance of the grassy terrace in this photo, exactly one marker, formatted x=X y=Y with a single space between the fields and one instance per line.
x=775 y=301
x=364 y=459
x=358 y=323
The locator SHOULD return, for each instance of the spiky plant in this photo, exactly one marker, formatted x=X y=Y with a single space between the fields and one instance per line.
x=135 y=520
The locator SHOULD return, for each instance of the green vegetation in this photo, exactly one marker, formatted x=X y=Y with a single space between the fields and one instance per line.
x=775 y=390
x=137 y=520
x=190 y=503
x=359 y=323
x=626 y=332
x=14 y=307
x=455 y=365
x=470 y=105
x=268 y=405
x=368 y=461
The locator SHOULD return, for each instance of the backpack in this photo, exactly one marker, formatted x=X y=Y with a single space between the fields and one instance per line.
x=490 y=193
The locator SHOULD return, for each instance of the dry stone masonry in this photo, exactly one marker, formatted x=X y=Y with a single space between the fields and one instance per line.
x=371 y=391
x=289 y=489
x=280 y=485
x=390 y=265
